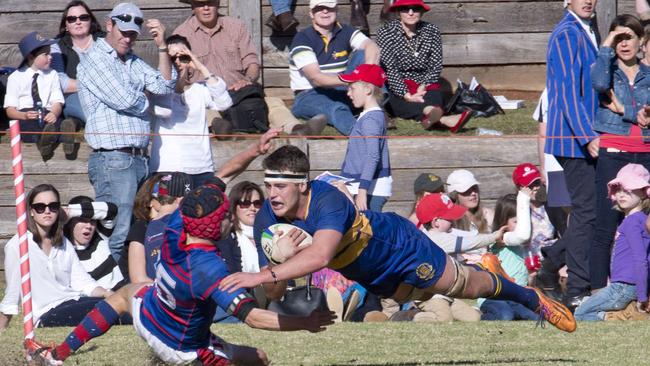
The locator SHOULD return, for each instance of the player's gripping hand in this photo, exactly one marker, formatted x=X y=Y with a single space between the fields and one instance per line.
x=318 y=320
x=288 y=245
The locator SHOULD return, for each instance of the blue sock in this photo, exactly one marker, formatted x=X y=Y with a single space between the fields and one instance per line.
x=506 y=290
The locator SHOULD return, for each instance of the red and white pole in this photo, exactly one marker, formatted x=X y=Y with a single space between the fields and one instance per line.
x=21 y=222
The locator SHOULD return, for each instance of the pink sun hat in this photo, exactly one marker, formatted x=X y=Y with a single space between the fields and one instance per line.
x=630 y=177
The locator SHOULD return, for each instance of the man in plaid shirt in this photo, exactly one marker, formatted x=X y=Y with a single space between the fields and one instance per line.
x=112 y=88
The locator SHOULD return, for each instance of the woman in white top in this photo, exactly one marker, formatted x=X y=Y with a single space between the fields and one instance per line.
x=181 y=141
x=62 y=291
x=238 y=248
x=463 y=189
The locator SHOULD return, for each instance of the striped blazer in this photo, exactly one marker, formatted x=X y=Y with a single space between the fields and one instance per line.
x=572 y=102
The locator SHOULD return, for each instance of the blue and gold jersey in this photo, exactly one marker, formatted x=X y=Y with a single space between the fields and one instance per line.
x=378 y=250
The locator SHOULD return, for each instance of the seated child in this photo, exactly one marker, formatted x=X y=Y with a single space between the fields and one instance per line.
x=89 y=226
x=34 y=96
x=629 y=268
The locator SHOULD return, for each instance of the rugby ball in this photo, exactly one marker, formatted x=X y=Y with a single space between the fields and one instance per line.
x=275 y=250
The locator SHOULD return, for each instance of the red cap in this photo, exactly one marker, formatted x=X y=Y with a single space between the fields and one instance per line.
x=438 y=205
x=369 y=73
x=401 y=3
x=525 y=174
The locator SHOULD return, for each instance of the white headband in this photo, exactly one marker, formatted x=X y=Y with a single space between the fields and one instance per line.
x=274 y=176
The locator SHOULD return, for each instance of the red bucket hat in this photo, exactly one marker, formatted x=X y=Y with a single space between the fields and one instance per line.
x=401 y=3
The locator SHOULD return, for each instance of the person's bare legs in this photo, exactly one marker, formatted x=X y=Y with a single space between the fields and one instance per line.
x=433 y=115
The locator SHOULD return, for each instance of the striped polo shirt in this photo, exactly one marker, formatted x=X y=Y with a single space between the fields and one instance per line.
x=331 y=54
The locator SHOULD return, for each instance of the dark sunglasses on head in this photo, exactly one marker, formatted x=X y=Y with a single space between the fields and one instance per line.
x=72 y=19
x=40 y=207
x=128 y=17
x=248 y=203
x=405 y=9
x=184 y=59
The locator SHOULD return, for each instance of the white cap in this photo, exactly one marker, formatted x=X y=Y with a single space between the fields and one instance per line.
x=326 y=3
x=127 y=17
x=460 y=181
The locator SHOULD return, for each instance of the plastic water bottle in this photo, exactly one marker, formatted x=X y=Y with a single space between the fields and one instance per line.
x=39 y=109
x=533 y=262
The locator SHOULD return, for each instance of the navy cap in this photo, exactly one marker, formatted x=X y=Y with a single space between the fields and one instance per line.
x=31 y=42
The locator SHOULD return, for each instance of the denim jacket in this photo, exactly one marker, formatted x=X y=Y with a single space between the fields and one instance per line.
x=606 y=75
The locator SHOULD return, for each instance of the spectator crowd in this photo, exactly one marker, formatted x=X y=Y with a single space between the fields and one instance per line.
x=592 y=254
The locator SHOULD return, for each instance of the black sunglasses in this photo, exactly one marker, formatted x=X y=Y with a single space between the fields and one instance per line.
x=40 y=207
x=405 y=9
x=128 y=17
x=72 y=19
x=184 y=59
x=248 y=203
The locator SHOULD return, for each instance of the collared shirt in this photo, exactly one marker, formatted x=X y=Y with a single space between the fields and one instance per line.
x=418 y=58
x=112 y=95
x=331 y=54
x=587 y=26
x=57 y=277
x=227 y=50
x=19 y=88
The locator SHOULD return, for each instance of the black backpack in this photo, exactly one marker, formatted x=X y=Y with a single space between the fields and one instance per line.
x=249 y=112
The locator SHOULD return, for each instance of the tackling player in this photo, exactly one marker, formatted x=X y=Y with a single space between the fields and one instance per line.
x=173 y=315
x=384 y=252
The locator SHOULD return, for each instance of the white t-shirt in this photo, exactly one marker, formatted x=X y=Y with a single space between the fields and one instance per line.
x=184 y=114
x=56 y=278
x=19 y=88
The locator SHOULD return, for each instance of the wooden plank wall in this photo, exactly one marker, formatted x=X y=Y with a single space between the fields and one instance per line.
x=485 y=157
x=502 y=42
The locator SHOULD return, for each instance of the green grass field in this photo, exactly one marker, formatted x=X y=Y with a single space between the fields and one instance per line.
x=483 y=343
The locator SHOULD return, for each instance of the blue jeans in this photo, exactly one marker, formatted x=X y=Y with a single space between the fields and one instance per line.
x=280 y=6
x=616 y=296
x=115 y=177
x=72 y=108
x=506 y=310
x=376 y=203
x=72 y=312
x=332 y=102
x=607 y=219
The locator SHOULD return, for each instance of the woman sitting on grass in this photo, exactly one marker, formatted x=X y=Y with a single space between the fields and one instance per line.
x=62 y=290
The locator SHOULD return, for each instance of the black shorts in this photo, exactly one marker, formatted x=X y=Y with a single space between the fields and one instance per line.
x=398 y=107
